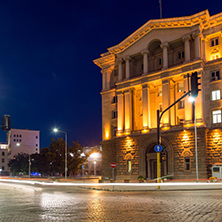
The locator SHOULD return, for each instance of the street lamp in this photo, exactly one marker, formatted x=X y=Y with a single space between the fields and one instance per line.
x=66 y=169
x=192 y=99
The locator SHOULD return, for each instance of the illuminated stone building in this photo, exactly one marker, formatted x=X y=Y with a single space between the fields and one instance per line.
x=147 y=72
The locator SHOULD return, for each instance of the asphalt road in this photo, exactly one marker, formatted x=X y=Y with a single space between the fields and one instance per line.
x=19 y=202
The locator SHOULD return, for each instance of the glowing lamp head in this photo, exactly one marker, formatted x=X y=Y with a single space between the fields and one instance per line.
x=55 y=130
x=191 y=99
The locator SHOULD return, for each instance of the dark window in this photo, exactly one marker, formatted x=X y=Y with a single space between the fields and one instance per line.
x=3 y=168
x=187 y=163
x=214 y=42
x=114 y=114
x=3 y=153
x=214 y=76
x=181 y=55
x=36 y=137
x=14 y=135
x=114 y=100
x=14 y=140
x=20 y=135
x=181 y=104
x=3 y=160
x=36 y=144
x=160 y=61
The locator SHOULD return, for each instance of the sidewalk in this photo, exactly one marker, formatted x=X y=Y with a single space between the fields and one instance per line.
x=121 y=187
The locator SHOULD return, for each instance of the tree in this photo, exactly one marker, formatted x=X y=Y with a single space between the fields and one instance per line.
x=75 y=160
x=19 y=164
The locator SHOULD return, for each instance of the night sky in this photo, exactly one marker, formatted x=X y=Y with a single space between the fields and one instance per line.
x=47 y=75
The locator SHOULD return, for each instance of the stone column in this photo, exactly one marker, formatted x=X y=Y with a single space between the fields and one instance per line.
x=120 y=110
x=128 y=111
x=145 y=61
x=120 y=68
x=104 y=79
x=127 y=59
x=186 y=40
x=187 y=103
x=146 y=107
x=164 y=46
x=196 y=37
x=166 y=101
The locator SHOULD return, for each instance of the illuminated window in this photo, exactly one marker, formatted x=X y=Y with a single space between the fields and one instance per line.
x=215 y=95
x=160 y=107
x=181 y=55
x=216 y=116
x=159 y=91
x=181 y=104
x=215 y=75
x=114 y=114
x=179 y=86
x=187 y=163
x=214 y=42
x=129 y=166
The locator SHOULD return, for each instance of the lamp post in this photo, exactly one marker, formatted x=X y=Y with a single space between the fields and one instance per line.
x=66 y=169
x=192 y=99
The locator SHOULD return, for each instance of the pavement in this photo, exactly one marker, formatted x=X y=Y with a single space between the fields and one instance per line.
x=172 y=185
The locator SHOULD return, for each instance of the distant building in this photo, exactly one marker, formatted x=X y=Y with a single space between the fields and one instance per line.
x=4 y=169
x=22 y=141
x=149 y=71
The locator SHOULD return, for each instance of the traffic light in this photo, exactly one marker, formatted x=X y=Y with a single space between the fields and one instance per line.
x=6 y=122
x=163 y=156
x=194 y=85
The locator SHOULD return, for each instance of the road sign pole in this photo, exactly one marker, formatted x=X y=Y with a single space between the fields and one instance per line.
x=113 y=174
x=158 y=153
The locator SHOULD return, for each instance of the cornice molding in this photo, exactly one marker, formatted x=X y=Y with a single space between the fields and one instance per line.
x=105 y=61
x=202 y=18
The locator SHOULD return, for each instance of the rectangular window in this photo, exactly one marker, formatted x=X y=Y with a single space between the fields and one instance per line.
x=179 y=86
x=181 y=55
x=214 y=42
x=3 y=168
x=215 y=95
x=187 y=163
x=129 y=166
x=36 y=137
x=159 y=61
x=216 y=116
x=114 y=114
x=3 y=160
x=214 y=76
x=114 y=100
x=14 y=135
x=181 y=104
x=3 y=153
x=161 y=107
x=159 y=92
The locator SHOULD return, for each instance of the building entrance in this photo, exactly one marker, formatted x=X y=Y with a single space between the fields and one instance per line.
x=151 y=162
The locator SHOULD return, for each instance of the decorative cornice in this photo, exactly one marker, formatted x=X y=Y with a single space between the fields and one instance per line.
x=202 y=18
x=105 y=60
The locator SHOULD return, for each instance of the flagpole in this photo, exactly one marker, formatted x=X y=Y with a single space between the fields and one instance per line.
x=160 y=8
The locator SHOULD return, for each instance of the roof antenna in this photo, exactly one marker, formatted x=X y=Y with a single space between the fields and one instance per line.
x=160 y=8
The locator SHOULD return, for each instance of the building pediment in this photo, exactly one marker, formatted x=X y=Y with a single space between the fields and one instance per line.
x=202 y=19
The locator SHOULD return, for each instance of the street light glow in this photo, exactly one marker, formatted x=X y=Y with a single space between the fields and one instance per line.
x=55 y=130
x=94 y=155
x=191 y=99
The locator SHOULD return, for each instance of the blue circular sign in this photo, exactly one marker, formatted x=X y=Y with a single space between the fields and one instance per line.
x=158 y=148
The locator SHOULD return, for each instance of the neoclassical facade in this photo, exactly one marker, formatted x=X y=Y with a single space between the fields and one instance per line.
x=148 y=71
